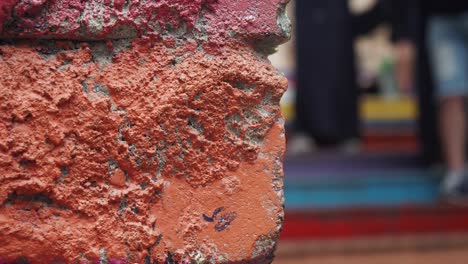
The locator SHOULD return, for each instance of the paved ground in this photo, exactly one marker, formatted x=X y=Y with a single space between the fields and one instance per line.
x=420 y=249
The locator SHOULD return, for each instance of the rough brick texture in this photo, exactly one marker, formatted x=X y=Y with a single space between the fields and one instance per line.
x=140 y=131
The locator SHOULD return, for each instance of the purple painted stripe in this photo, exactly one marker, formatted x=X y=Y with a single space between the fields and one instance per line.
x=329 y=162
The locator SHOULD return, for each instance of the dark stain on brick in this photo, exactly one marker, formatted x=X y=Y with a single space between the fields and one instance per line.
x=169 y=259
x=123 y=204
x=213 y=216
x=135 y=209
x=225 y=221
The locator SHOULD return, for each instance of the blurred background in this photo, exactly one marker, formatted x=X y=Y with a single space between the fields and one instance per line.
x=365 y=163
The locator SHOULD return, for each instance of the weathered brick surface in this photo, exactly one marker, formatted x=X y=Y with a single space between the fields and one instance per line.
x=140 y=131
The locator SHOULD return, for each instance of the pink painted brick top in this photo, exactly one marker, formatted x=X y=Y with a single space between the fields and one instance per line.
x=104 y=19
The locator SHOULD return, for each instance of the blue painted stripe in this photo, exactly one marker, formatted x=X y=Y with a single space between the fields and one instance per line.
x=384 y=188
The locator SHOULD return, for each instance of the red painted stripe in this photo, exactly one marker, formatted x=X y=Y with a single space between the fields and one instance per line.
x=352 y=223
x=373 y=141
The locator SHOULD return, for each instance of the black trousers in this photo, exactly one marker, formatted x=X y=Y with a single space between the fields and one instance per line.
x=326 y=101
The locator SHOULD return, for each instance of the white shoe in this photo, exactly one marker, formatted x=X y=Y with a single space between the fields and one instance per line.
x=454 y=184
x=300 y=144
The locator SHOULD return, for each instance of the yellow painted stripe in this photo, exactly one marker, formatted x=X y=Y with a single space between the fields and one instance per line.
x=374 y=108
x=288 y=110
x=379 y=108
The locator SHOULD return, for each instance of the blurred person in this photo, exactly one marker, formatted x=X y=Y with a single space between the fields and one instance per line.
x=439 y=31
x=326 y=97
x=326 y=92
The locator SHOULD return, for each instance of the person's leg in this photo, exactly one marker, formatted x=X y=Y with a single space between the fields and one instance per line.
x=452 y=126
x=448 y=54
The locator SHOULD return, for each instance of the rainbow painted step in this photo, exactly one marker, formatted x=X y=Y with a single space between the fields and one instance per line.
x=330 y=196
x=330 y=181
